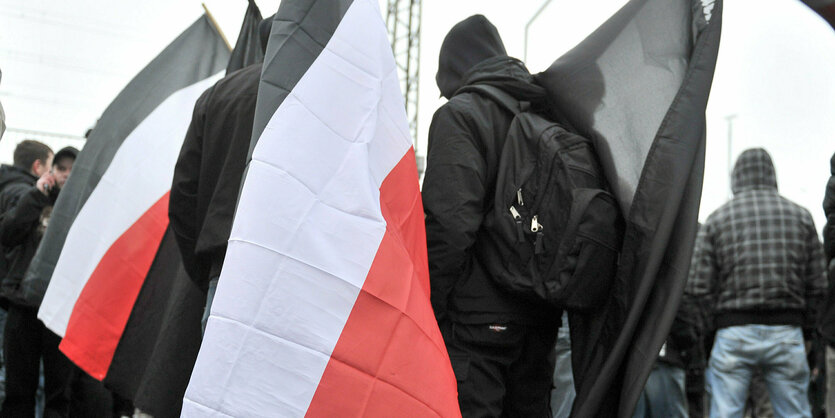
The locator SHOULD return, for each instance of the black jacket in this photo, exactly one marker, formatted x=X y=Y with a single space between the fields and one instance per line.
x=465 y=140
x=829 y=209
x=25 y=215
x=207 y=177
x=827 y=319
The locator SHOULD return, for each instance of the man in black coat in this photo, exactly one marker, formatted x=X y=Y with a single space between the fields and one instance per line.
x=827 y=320
x=499 y=344
x=207 y=177
x=26 y=204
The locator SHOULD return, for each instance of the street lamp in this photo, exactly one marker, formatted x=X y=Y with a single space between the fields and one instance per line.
x=528 y=26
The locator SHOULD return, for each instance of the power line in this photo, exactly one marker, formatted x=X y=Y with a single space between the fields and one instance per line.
x=71 y=21
x=55 y=61
x=32 y=132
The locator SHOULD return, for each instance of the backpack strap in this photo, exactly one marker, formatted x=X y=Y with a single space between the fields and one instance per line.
x=497 y=95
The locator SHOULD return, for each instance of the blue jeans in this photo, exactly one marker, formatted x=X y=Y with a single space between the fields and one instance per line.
x=663 y=395
x=562 y=395
x=777 y=351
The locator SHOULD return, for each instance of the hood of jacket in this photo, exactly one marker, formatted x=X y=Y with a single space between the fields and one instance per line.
x=832 y=165
x=468 y=43
x=508 y=74
x=10 y=174
x=753 y=171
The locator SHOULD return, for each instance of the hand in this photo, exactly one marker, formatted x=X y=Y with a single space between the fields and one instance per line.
x=46 y=183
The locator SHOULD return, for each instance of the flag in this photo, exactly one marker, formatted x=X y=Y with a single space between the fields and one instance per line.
x=322 y=308
x=156 y=353
x=248 y=49
x=638 y=86
x=159 y=346
x=111 y=216
x=825 y=8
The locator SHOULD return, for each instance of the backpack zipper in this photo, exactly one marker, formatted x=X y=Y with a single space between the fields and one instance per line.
x=537 y=228
x=520 y=234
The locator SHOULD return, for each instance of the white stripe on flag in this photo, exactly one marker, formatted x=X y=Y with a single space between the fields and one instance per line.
x=307 y=228
x=137 y=177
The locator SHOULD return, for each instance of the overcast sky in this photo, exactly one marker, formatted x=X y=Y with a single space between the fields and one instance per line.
x=64 y=61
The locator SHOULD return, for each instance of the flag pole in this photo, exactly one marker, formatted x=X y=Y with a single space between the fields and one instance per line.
x=217 y=27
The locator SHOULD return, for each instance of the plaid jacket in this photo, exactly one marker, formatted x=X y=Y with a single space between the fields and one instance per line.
x=759 y=252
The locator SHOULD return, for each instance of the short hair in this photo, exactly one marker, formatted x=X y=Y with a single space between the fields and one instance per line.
x=28 y=150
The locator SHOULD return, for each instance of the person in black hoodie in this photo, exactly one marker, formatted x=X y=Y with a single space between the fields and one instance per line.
x=500 y=345
x=26 y=206
x=207 y=177
x=826 y=326
x=31 y=159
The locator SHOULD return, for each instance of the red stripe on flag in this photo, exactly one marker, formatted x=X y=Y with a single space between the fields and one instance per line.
x=102 y=310
x=391 y=356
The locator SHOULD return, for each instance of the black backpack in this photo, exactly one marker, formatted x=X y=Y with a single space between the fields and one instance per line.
x=554 y=231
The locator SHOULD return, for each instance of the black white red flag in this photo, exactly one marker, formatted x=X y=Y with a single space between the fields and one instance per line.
x=322 y=308
x=111 y=216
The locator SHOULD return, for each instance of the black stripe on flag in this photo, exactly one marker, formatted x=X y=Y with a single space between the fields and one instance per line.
x=248 y=49
x=300 y=31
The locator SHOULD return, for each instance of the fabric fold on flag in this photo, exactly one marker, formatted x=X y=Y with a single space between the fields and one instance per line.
x=322 y=307
x=111 y=216
x=638 y=86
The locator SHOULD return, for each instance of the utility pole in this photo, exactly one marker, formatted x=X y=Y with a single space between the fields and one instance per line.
x=730 y=120
x=528 y=27
x=403 y=24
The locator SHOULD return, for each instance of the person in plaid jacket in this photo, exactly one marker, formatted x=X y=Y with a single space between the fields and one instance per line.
x=759 y=272
x=826 y=325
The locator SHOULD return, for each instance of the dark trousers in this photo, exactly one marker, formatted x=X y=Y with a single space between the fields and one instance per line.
x=503 y=370
x=26 y=342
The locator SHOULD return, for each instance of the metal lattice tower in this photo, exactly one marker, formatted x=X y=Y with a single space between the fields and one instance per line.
x=403 y=24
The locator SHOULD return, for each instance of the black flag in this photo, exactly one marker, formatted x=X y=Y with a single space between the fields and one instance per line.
x=248 y=48
x=825 y=8
x=638 y=86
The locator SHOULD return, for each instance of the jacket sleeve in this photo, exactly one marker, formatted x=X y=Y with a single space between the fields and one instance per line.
x=26 y=205
x=182 y=207
x=453 y=202
x=829 y=210
x=815 y=274
x=701 y=287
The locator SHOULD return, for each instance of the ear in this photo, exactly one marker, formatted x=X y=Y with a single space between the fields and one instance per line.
x=37 y=166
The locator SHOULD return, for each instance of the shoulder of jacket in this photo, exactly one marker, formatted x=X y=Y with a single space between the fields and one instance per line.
x=17 y=188
x=12 y=193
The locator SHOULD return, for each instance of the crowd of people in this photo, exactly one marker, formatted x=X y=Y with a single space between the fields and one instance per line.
x=756 y=313
x=754 y=305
